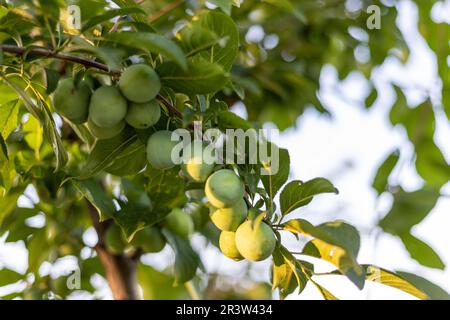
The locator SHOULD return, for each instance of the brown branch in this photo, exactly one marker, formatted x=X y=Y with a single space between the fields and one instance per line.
x=120 y=269
x=120 y=273
x=173 y=112
x=41 y=52
x=89 y=63
x=169 y=7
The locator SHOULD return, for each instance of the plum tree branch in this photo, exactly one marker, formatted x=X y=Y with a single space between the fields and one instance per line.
x=89 y=63
x=171 y=6
x=120 y=269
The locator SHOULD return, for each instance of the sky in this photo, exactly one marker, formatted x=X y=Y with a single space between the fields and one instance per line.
x=347 y=149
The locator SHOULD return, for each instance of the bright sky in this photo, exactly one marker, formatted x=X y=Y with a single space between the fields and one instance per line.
x=347 y=150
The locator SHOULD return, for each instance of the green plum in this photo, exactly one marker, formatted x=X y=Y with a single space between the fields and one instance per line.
x=139 y=83
x=227 y=244
x=108 y=107
x=197 y=162
x=229 y=219
x=159 y=150
x=105 y=133
x=72 y=101
x=255 y=242
x=224 y=188
x=149 y=239
x=180 y=223
x=143 y=115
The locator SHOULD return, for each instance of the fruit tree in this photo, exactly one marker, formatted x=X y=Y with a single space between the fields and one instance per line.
x=92 y=94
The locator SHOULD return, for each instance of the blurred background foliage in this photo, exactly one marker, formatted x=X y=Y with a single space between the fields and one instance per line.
x=284 y=46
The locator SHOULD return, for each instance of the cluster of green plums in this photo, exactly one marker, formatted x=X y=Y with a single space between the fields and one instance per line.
x=241 y=236
x=109 y=108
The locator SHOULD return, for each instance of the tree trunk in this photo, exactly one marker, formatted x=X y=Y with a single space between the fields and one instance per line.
x=120 y=269
x=120 y=273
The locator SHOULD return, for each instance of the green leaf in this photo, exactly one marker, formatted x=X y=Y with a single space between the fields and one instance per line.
x=4 y=148
x=105 y=152
x=38 y=250
x=336 y=242
x=9 y=113
x=9 y=201
x=51 y=80
x=286 y=5
x=337 y=233
x=201 y=77
x=92 y=190
x=3 y=11
x=297 y=194
x=8 y=276
x=409 y=209
x=112 y=57
x=186 y=259
x=273 y=182
x=395 y=280
x=327 y=295
x=33 y=134
x=419 y=123
x=135 y=215
x=380 y=182
x=82 y=132
x=131 y=161
x=150 y=42
x=224 y=5
x=165 y=189
x=15 y=223
x=422 y=252
x=194 y=39
x=338 y=256
x=287 y=273
x=371 y=98
x=96 y=20
x=225 y=51
x=43 y=113
x=431 y=164
x=157 y=285
x=433 y=291
x=230 y=120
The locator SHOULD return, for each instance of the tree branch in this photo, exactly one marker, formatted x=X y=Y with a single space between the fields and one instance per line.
x=120 y=269
x=89 y=63
x=169 y=7
x=41 y=52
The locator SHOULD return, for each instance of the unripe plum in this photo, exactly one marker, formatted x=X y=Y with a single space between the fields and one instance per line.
x=108 y=107
x=149 y=239
x=159 y=149
x=223 y=188
x=143 y=115
x=105 y=133
x=139 y=83
x=255 y=242
x=229 y=219
x=72 y=101
x=227 y=244
x=180 y=223
x=197 y=162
